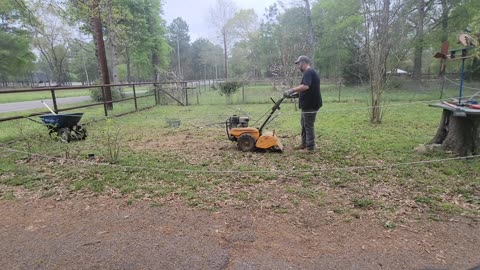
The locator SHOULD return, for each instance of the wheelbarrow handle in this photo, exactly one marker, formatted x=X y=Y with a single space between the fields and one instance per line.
x=48 y=107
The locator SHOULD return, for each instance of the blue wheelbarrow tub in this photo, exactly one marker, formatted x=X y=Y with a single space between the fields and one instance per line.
x=66 y=120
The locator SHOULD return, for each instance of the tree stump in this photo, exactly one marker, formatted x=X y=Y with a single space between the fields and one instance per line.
x=459 y=134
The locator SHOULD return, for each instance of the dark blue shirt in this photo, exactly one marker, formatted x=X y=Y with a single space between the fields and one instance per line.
x=312 y=98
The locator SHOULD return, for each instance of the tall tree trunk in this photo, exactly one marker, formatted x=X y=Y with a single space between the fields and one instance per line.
x=378 y=49
x=445 y=11
x=311 y=35
x=112 y=45
x=417 y=64
x=154 y=49
x=59 y=76
x=129 y=68
x=138 y=73
x=224 y=34
x=460 y=135
x=156 y=65
x=100 y=50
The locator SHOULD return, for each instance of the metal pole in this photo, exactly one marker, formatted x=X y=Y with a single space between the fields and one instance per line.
x=443 y=87
x=54 y=100
x=135 y=97
x=461 y=82
x=178 y=58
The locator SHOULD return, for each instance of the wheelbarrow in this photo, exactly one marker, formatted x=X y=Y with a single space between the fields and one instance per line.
x=64 y=125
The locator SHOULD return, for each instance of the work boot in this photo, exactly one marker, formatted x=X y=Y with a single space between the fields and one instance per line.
x=306 y=151
x=299 y=147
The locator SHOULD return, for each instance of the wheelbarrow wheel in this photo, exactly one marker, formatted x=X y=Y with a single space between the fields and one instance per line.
x=82 y=132
x=64 y=135
x=79 y=133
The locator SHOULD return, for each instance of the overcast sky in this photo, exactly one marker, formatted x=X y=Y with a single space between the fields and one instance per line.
x=195 y=13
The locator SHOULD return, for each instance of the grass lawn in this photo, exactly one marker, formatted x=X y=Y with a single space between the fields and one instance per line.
x=359 y=168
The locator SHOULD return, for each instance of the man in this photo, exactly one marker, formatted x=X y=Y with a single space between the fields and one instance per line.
x=310 y=101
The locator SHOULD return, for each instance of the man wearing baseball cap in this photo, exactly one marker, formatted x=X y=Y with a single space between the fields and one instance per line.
x=310 y=101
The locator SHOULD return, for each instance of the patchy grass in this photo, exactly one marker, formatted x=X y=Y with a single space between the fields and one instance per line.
x=358 y=168
x=9 y=196
x=362 y=203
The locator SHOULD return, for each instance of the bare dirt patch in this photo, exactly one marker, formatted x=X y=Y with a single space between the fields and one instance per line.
x=104 y=233
x=290 y=214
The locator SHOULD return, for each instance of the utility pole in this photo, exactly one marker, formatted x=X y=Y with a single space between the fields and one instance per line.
x=224 y=33
x=178 y=58
x=216 y=68
x=311 y=35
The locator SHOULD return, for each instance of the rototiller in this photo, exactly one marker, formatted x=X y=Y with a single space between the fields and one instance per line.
x=250 y=138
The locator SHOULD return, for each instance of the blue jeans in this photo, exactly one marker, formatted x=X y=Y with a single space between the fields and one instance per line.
x=308 y=128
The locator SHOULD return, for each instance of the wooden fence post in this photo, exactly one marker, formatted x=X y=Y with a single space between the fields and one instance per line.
x=135 y=97
x=104 y=101
x=54 y=100
x=157 y=94
x=186 y=93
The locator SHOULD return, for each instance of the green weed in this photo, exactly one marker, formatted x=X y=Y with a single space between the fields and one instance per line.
x=362 y=203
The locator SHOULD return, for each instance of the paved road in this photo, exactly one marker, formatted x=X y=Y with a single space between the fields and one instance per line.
x=35 y=104
x=29 y=105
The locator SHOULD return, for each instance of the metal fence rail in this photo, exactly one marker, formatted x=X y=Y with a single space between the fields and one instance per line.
x=177 y=91
x=157 y=86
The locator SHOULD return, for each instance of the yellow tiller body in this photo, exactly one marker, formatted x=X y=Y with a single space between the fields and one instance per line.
x=250 y=138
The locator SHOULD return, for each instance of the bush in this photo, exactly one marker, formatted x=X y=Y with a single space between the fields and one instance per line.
x=96 y=94
x=229 y=88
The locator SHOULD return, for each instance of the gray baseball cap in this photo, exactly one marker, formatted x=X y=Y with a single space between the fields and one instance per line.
x=303 y=58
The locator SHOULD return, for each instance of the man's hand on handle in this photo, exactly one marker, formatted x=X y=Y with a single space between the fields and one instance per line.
x=290 y=93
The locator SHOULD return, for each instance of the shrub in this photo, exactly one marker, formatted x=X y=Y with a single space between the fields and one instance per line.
x=96 y=94
x=229 y=88
x=109 y=141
